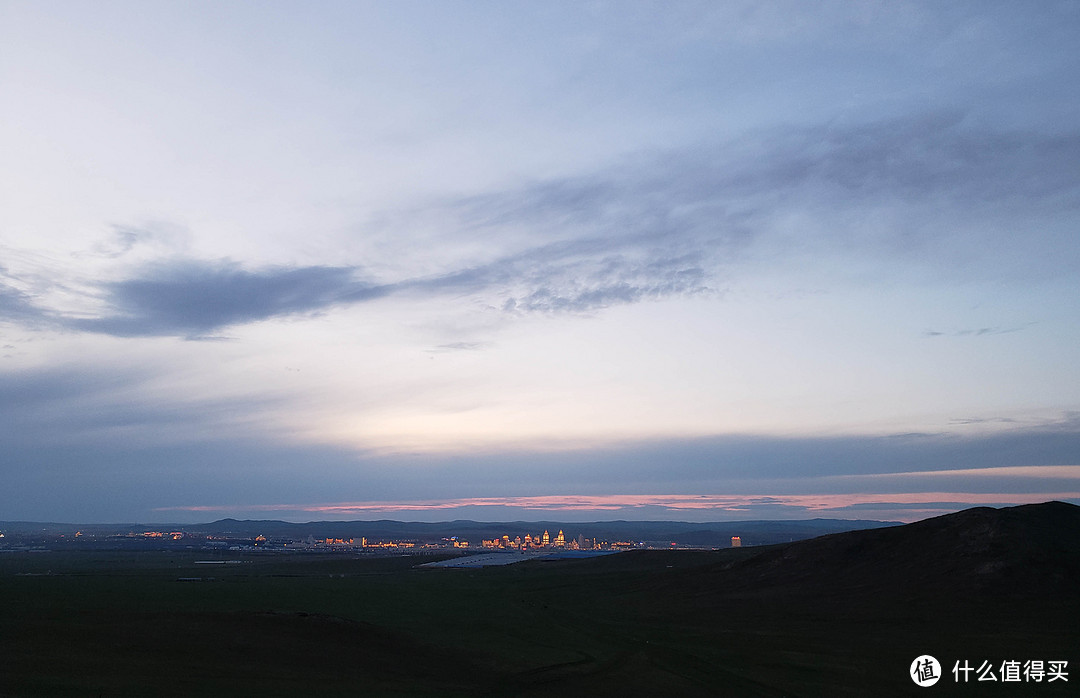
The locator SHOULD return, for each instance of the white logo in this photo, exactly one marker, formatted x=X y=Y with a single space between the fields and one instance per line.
x=925 y=671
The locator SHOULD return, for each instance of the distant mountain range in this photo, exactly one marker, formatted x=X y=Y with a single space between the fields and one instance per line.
x=716 y=534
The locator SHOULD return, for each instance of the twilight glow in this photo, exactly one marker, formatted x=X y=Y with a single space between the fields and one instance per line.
x=696 y=261
x=911 y=507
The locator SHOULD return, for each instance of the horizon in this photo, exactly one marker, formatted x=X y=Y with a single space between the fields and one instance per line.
x=675 y=262
x=436 y=522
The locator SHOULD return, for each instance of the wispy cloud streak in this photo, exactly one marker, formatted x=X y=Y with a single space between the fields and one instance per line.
x=656 y=226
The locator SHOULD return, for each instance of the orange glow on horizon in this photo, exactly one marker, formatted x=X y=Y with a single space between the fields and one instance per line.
x=812 y=503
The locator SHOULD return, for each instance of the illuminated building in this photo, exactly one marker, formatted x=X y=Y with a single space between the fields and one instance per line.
x=533 y=542
x=736 y=542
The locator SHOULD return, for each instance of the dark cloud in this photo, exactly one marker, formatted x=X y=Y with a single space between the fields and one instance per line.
x=930 y=156
x=735 y=464
x=54 y=459
x=980 y=332
x=190 y=298
x=28 y=390
x=17 y=306
x=89 y=407
x=195 y=299
x=933 y=155
x=575 y=276
x=584 y=286
x=82 y=432
x=603 y=295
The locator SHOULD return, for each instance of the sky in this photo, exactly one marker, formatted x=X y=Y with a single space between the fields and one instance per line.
x=574 y=261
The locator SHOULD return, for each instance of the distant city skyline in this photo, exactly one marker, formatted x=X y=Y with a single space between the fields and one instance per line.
x=424 y=261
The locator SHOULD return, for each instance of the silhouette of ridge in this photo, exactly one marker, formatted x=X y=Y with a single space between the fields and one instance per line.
x=1027 y=550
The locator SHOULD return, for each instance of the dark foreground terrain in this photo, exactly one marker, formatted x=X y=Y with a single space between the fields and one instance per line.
x=843 y=614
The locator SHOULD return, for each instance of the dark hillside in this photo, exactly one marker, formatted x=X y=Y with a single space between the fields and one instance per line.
x=845 y=614
x=1028 y=550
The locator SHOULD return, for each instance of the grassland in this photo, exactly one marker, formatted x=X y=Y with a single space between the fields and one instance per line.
x=685 y=623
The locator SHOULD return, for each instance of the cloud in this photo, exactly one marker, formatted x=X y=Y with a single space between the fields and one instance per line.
x=573 y=276
x=194 y=299
x=980 y=332
x=925 y=156
x=926 y=190
x=458 y=346
x=16 y=306
x=981 y=420
x=123 y=240
x=191 y=298
x=658 y=225
x=666 y=196
x=81 y=407
x=613 y=282
x=119 y=435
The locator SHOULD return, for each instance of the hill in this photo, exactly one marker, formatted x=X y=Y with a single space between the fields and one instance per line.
x=1031 y=549
x=845 y=614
